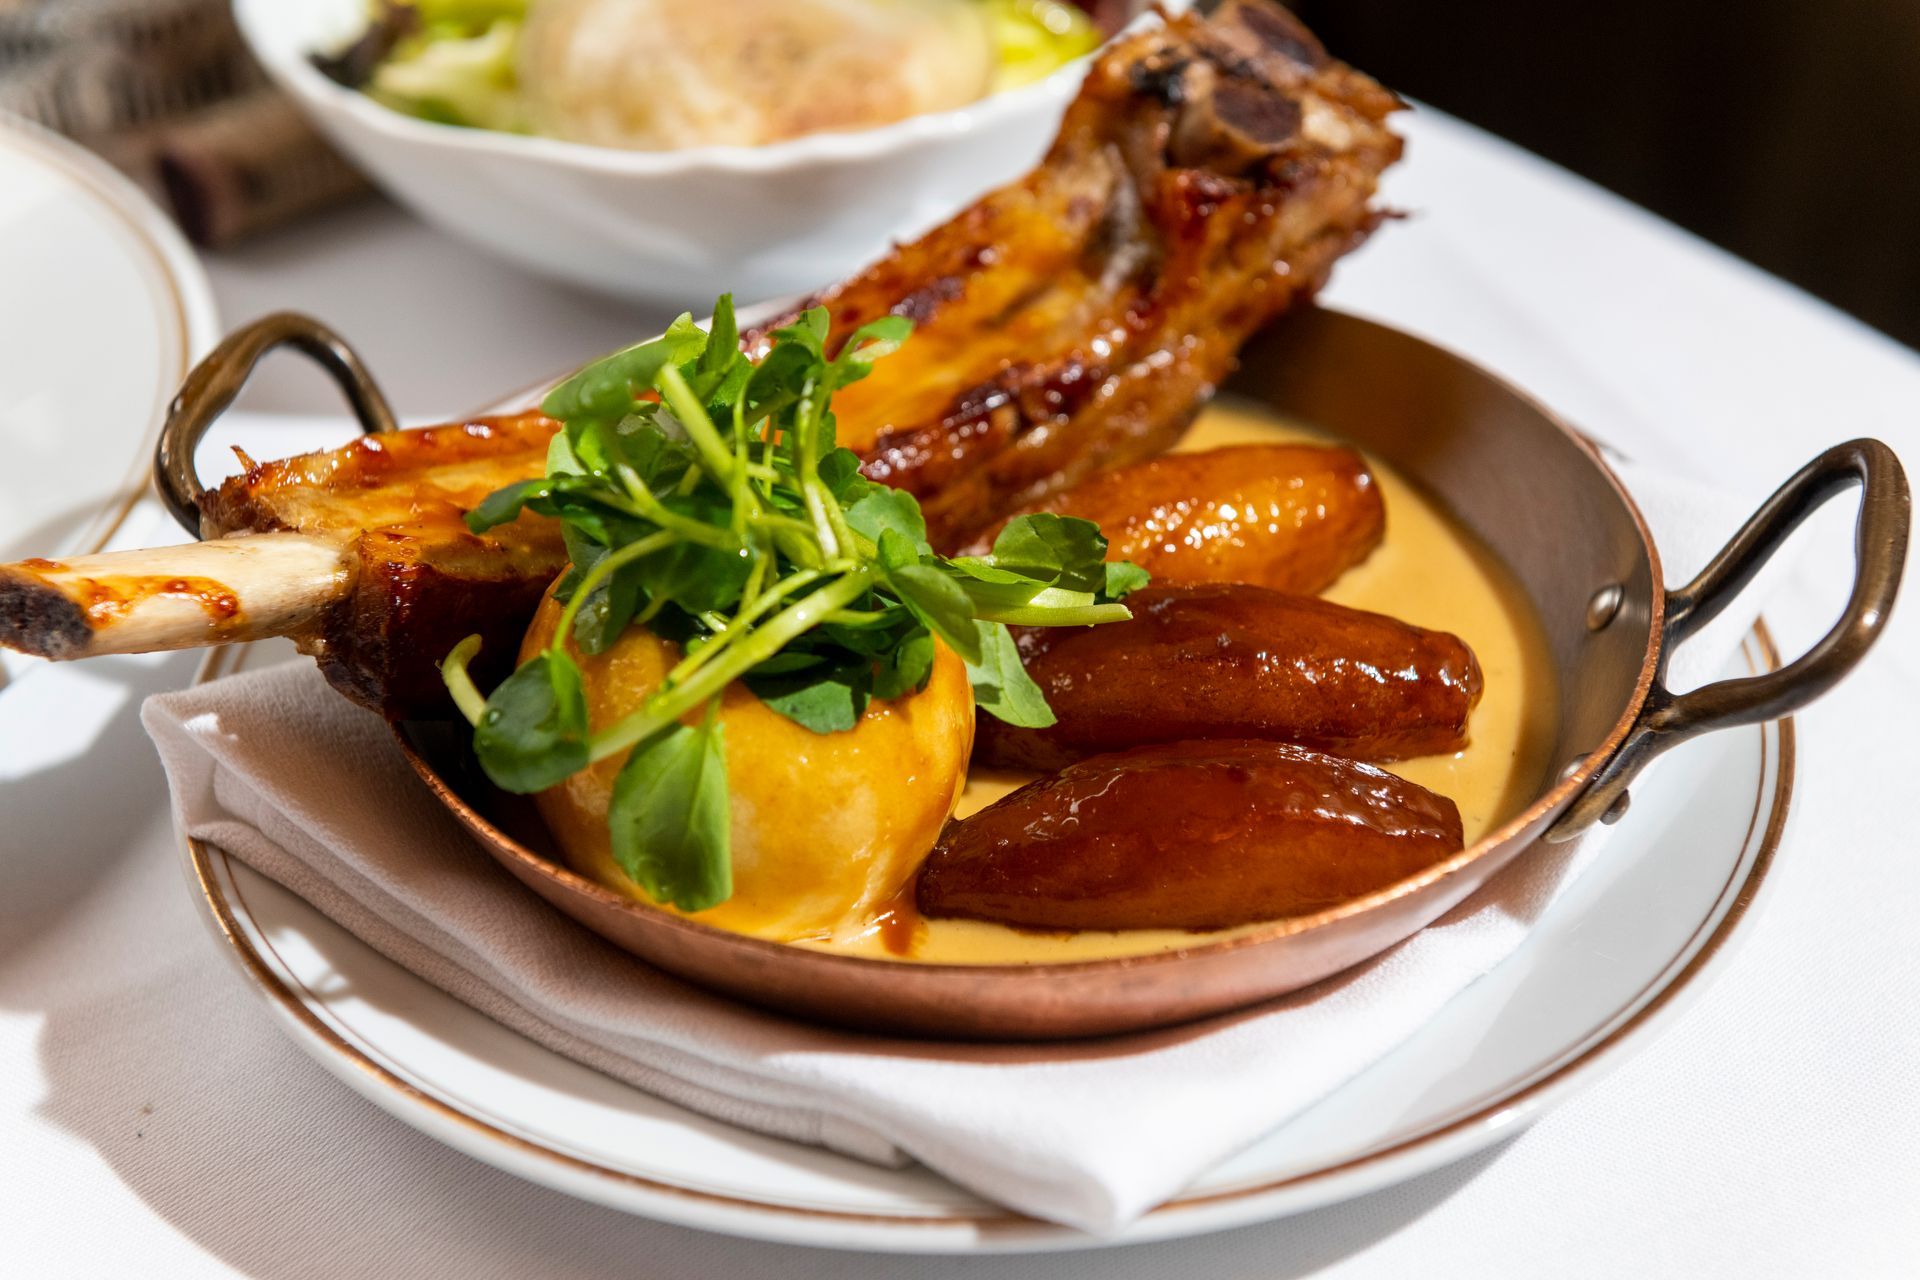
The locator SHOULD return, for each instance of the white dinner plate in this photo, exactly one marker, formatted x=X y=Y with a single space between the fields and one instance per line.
x=103 y=309
x=1638 y=935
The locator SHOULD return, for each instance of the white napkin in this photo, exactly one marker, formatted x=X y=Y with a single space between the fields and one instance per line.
x=288 y=777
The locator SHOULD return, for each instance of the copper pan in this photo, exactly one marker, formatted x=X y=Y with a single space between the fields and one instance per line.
x=1533 y=490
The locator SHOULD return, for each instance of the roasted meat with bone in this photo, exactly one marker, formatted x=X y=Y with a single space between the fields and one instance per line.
x=359 y=553
x=1207 y=176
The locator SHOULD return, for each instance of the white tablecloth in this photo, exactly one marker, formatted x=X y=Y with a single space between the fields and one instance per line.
x=154 y=1123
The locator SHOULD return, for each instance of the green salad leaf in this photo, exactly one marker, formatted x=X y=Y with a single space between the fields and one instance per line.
x=1001 y=685
x=1124 y=578
x=533 y=733
x=451 y=61
x=701 y=496
x=670 y=820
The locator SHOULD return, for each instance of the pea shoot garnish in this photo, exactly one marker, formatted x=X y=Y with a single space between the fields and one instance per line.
x=701 y=496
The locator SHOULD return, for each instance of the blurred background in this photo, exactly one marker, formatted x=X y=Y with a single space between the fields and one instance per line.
x=1784 y=131
x=1788 y=133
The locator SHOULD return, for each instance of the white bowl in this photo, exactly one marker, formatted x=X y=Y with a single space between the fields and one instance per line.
x=674 y=226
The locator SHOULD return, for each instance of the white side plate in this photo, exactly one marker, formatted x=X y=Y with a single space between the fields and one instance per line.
x=105 y=309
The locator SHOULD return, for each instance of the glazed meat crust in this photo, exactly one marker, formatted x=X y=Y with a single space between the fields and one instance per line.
x=1207 y=177
x=1227 y=661
x=420 y=580
x=1187 y=835
x=1292 y=517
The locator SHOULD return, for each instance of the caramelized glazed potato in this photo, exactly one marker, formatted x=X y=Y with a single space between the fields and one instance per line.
x=1187 y=835
x=1218 y=661
x=1292 y=517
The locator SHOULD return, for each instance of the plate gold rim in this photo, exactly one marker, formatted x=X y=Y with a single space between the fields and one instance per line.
x=1494 y=1110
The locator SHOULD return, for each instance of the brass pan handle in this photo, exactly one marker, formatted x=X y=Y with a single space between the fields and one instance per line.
x=1880 y=553
x=216 y=380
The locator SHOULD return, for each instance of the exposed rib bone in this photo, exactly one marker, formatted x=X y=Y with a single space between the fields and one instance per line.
x=360 y=554
x=270 y=584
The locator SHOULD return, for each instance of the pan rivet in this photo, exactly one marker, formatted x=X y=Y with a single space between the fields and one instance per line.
x=1604 y=605
x=1618 y=809
x=1572 y=767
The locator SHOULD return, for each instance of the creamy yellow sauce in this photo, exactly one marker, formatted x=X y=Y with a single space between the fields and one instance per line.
x=1426 y=571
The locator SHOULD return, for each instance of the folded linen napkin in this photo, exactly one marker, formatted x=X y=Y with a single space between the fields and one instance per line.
x=285 y=775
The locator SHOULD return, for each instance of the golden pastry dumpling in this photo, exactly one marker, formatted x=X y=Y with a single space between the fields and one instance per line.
x=826 y=827
x=662 y=74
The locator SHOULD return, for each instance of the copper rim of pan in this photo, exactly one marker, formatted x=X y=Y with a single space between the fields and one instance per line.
x=1534 y=817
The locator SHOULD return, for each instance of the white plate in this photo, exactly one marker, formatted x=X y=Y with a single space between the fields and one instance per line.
x=103 y=308
x=1629 y=943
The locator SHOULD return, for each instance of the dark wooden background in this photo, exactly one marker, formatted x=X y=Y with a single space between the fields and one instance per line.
x=1787 y=131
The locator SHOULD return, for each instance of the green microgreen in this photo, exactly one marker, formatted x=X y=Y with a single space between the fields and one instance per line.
x=701 y=495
